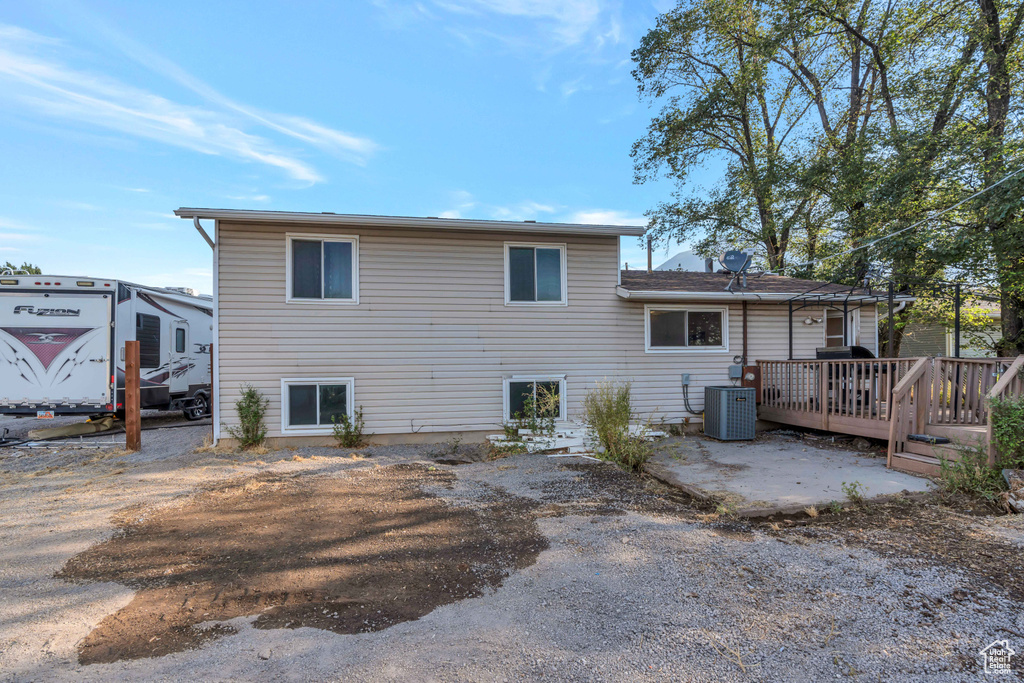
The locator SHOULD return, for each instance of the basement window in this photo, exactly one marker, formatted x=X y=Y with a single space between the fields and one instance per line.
x=323 y=268
x=526 y=397
x=313 y=405
x=677 y=329
x=535 y=274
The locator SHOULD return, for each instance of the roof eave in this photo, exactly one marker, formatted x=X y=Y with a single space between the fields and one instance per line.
x=768 y=297
x=464 y=224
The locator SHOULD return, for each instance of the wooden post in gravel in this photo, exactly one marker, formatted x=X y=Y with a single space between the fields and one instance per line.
x=132 y=399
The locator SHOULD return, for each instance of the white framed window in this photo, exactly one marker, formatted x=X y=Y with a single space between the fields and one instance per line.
x=535 y=274
x=520 y=392
x=833 y=327
x=686 y=329
x=322 y=268
x=308 y=404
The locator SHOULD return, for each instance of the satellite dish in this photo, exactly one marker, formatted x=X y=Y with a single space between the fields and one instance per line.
x=735 y=261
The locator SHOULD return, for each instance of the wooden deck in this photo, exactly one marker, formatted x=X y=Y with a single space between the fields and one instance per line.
x=892 y=398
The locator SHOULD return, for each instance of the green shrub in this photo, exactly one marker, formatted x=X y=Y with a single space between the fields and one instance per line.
x=855 y=491
x=608 y=409
x=1007 y=417
x=348 y=432
x=971 y=474
x=251 y=408
x=538 y=414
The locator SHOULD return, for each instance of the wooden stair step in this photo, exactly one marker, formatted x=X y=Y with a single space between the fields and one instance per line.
x=966 y=435
x=916 y=464
x=934 y=451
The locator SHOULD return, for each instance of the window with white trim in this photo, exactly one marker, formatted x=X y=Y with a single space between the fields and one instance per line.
x=535 y=274
x=526 y=397
x=323 y=268
x=678 y=328
x=313 y=405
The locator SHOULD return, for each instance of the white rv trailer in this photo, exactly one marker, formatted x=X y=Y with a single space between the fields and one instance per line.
x=62 y=342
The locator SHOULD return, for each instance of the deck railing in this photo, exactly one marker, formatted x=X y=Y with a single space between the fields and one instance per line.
x=959 y=388
x=1010 y=384
x=885 y=397
x=829 y=394
x=909 y=405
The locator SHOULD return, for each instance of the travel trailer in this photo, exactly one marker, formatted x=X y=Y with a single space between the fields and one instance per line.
x=62 y=346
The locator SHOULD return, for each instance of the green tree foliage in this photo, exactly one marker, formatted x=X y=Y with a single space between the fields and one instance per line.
x=23 y=268
x=839 y=123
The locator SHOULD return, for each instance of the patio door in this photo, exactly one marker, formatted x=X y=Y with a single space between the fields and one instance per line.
x=834 y=328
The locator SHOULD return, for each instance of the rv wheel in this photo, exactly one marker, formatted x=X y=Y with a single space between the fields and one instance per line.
x=199 y=409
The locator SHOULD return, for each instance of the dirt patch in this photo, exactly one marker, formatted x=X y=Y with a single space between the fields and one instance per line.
x=347 y=554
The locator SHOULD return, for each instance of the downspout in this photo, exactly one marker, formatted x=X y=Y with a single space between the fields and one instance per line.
x=215 y=378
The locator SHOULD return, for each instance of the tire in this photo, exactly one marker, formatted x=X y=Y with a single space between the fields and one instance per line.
x=200 y=407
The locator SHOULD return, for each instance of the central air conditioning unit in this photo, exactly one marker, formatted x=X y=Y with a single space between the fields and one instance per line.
x=730 y=413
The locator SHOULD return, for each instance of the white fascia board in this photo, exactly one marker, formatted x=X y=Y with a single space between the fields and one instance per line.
x=300 y=217
x=698 y=296
x=770 y=297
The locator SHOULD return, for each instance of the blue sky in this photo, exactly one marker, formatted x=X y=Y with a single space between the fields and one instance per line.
x=114 y=114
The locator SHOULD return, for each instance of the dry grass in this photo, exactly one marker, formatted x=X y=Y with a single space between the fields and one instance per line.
x=811 y=511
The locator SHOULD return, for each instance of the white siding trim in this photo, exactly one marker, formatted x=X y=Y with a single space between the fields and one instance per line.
x=354 y=239
x=565 y=279
x=314 y=429
x=506 y=392
x=724 y=348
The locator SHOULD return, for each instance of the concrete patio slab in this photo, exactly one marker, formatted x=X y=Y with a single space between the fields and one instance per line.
x=776 y=474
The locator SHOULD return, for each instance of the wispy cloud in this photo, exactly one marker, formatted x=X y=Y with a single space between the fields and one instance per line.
x=569 y=21
x=538 y=27
x=606 y=217
x=47 y=85
x=464 y=205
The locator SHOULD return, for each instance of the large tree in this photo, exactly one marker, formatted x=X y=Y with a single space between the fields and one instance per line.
x=25 y=267
x=729 y=102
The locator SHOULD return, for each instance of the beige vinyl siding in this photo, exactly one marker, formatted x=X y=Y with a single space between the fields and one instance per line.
x=431 y=339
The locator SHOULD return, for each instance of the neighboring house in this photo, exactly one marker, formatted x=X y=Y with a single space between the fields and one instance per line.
x=935 y=339
x=684 y=260
x=437 y=326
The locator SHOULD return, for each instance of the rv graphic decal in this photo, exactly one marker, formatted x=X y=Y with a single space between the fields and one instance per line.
x=32 y=310
x=46 y=343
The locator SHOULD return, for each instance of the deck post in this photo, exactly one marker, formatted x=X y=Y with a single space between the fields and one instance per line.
x=956 y=325
x=890 y=351
x=790 y=330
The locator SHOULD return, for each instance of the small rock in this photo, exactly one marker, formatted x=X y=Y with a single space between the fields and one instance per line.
x=265 y=654
x=861 y=444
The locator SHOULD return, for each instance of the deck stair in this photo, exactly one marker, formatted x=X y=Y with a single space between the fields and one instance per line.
x=895 y=398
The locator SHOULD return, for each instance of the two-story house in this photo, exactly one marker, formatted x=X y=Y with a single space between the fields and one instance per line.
x=439 y=326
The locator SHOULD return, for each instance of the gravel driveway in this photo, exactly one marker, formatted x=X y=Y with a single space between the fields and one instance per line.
x=635 y=584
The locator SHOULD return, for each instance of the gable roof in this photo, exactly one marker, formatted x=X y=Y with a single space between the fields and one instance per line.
x=429 y=223
x=678 y=285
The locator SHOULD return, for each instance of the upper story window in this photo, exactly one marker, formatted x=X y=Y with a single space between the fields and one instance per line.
x=323 y=268
x=535 y=274
x=675 y=328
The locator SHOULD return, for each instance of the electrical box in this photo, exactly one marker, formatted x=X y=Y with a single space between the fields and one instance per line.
x=735 y=372
x=730 y=413
x=686 y=379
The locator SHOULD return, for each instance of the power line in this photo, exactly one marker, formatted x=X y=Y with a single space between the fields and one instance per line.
x=902 y=230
